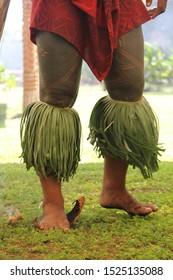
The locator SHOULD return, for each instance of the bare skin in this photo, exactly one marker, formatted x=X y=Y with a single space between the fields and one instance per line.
x=54 y=216
x=114 y=193
x=159 y=9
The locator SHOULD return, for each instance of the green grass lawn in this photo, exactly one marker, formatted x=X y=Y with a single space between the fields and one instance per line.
x=99 y=233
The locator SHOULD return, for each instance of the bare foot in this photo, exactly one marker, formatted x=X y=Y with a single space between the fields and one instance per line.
x=53 y=218
x=124 y=201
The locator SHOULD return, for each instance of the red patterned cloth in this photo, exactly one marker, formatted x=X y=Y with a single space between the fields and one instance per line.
x=92 y=26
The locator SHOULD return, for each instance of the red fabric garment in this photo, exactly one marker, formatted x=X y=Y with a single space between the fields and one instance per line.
x=89 y=7
x=92 y=26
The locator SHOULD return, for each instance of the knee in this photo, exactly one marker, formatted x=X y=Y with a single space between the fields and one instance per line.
x=126 y=89
x=60 y=96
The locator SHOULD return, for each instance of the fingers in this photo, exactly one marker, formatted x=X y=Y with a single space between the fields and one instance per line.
x=149 y=3
x=155 y=12
x=161 y=7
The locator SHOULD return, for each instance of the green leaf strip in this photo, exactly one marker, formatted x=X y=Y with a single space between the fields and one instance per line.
x=128 y=131
x=50 y=140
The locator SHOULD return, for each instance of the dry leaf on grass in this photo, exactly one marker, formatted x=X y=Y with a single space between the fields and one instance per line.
x=15 y=218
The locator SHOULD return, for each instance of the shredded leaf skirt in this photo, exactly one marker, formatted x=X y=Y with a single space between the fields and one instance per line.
x=50 y=140
x=128 y=131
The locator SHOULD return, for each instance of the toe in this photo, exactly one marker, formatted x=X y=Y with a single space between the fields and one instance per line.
x=141 y=210
x=66 y=229
x=153 y=207
x=43 y=226
x=144 y=211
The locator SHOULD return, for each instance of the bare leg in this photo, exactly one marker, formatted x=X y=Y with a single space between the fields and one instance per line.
x=114 y=193
x=59 y=88
x=125 y=82
x=53 y=206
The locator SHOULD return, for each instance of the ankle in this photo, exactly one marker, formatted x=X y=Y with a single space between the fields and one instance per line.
x=52 y=205
x=109 y=186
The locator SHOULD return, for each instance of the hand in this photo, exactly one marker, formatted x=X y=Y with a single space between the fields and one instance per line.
x=161 y=7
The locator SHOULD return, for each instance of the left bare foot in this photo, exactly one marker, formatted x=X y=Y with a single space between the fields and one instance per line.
x=125 y=201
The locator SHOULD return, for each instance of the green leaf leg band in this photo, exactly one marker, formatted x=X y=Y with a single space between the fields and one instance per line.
x=50 y=140
x=128 y=131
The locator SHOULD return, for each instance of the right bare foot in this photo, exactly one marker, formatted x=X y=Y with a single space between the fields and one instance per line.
x=53 y=218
